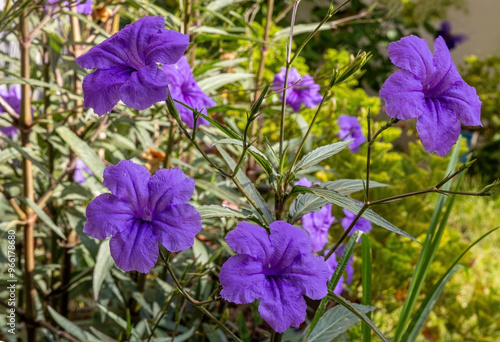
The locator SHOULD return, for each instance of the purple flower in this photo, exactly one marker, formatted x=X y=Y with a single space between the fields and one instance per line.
x=82 y=6
x=127 y=66
x=278 y=268
x=317 y=223
x=351 y=129
x=142 y=211
x=13 y=98
x=184 y=88
x=79 y=168
x=430 y=88
x=332 y=265
x=304 y=92
x=362 y=224
x=451 y=40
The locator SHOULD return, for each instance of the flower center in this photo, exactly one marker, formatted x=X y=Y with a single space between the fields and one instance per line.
x=147 y=213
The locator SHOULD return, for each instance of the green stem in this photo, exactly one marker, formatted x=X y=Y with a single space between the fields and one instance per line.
x=28 y=189
x=196 y=303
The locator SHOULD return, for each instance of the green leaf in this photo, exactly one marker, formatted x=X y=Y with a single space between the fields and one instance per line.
x=339 y=270
x=102 y=337
x=211 y=211
x=120 y=321
x=82 y=150
x=215 y=82
x=26 y=154
x=218 y=191
x=306 y=203
x=335 y=322
x=355 y=310
x=73 y=329
x=320 y=154
x=103 y=265
x=248 y=186
x=8 y=154
x=354 y=206
x=366 y=281
x=258 y=155
x=431 y=243
x=86 y=20
x=429 y=302
x=44 y=217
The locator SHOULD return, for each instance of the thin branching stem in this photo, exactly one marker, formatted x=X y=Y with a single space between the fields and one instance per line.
x=196 y=303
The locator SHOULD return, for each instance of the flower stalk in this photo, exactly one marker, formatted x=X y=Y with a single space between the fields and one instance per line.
x=26 y=121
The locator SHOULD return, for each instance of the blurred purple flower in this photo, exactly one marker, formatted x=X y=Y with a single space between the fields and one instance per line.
x=430 y=89
x=349 y=269
x=317 y=223
x=362 y=224
x=278 y=268
x=78 y=176
x=184 y=88
x=351 y=129
x=127 y=65
x=452 y=40
x=82 y=6
x=304 y=92
x=142 y=211
x=13 y=98
x=332 y=265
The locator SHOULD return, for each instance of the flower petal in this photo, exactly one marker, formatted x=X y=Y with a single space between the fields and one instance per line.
x=310 y=273
x=126 y=47
x=107 y=215
x=166 y=46
x=169 y=186
x=102 y=88
x=403 y=95
x=144 y=88
x=288 y=243
x=438 y=128
x=412 y=53
x=129 y=182
x=176 y=226
x=135 y=248
x=446 y=74
x=282 y=305
x=242 y=279
x=463 y=100
x=250 y=239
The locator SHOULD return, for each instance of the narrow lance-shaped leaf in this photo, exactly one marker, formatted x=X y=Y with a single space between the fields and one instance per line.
x=320 y=154
x=103 y=264
x=211 y=211
x=82 y=150
x=353 y=206
x=44 y=217
x=248 y=186
x=339 y=270
x=306 y=203
x=361 y=315
x=429 y=302
x=335 y=322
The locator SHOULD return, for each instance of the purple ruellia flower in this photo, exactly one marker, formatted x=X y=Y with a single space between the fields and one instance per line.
x=332 y=265
x=82 y=6
x=184 y=88
x=317 y=223
x=430 y=89
x=78 y=176
x=278 y=268
x=351 y=129
x=13 y=98
x=362 y=224
x=142 y=211
x=304 y=92
x=127 y=66
x=452 y=40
